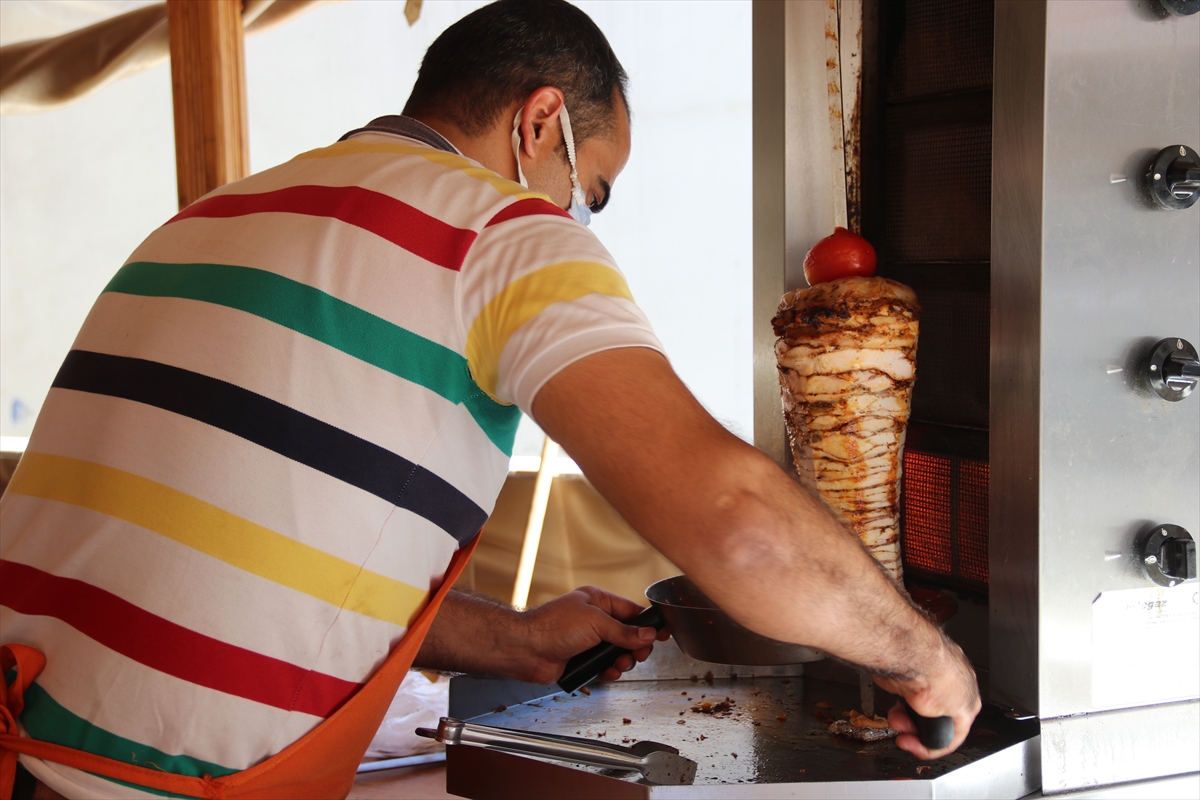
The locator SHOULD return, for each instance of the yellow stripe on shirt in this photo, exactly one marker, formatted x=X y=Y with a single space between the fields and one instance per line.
x=217 y=533
x=524 y=299
x=440 y=157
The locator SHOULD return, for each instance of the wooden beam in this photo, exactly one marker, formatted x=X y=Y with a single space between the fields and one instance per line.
x=535 y=523
x=208 y=85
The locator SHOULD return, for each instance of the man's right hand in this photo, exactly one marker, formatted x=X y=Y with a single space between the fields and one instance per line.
x=950 y=691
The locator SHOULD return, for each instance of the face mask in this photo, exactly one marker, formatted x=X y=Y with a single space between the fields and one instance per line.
x=578 y=210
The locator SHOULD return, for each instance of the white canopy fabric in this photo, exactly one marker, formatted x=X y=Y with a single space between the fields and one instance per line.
x=46 y=73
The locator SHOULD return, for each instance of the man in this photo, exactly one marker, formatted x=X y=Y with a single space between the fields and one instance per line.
x=296 y=401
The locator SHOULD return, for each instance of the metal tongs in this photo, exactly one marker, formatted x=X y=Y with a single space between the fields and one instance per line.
x=658 y=763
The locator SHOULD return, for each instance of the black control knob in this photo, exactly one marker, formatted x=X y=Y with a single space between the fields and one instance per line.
x=1178 y=558
x=1168 y=554
x=1172 y=369
x=1173 y=178
x=1181 y=8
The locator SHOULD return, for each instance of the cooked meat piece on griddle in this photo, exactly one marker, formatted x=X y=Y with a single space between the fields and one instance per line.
x=842 y=727
x=847 y=362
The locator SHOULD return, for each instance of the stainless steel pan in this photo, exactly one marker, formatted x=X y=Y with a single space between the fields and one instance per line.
x=706 y=633
x=701 y=630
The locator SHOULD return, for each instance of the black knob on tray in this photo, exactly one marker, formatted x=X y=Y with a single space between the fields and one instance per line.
x=1173 y=178
x=1168 y=554
x=1172 y=369
x=934 y=732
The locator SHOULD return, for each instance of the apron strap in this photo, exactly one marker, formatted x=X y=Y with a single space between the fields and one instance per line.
x=329 y=754
x=29 y=664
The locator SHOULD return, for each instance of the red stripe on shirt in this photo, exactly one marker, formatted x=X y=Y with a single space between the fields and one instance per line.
x=386 y=217
x=528 y=207
x=167 y=647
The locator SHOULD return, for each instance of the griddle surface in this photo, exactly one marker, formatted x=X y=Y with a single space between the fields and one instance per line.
x=751 y=745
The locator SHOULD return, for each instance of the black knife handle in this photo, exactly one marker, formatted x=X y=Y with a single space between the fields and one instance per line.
x=934 y=732
x=587 y=666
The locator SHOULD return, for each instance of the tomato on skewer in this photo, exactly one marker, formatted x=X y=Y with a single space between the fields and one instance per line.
x=842 y=254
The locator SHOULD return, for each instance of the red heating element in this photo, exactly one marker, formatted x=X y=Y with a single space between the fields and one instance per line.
x=945 y=519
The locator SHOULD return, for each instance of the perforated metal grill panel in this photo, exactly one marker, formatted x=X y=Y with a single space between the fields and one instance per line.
x=926 y=513
x=972 y=521
x=945 y=533
x=952 y=351
x=936 y=226
x=939 y=187
x=941 y=46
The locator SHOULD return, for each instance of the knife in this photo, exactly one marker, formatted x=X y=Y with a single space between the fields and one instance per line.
x=587 y=666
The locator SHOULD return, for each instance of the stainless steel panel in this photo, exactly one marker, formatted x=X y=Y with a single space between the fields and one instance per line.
x=793 y=180
x=769 y=143
x=1015 y=417
x=1093 y=750
x=1009 y=773
x=1176 y=787
x=814 y=187
x=1085 y=275
x=1116 y=275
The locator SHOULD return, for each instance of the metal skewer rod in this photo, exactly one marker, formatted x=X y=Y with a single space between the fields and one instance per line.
x=845 y=78
x=866 y=693
x=537 y=518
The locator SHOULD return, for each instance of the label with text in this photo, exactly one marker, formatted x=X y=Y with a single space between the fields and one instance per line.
x=1146 y=646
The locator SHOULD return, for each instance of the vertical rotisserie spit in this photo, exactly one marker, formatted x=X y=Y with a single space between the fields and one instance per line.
x=847 y=362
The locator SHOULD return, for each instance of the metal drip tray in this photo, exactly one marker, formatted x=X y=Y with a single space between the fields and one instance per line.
x=773 y=742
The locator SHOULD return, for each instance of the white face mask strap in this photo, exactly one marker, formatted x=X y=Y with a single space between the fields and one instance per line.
x=568 y=138
x=565 y=119
x=516 y=144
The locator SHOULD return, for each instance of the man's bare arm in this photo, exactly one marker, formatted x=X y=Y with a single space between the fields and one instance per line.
x=763 y=548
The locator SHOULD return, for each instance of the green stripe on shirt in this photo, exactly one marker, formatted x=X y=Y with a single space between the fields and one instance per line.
x=48 y=721
x=329 y=320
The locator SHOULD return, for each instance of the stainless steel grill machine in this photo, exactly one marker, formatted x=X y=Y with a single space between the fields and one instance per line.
x=1030 y=168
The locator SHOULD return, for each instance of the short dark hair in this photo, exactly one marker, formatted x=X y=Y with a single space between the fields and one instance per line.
x=502 y=52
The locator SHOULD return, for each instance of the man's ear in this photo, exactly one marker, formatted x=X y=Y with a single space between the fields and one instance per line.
x=540 y=126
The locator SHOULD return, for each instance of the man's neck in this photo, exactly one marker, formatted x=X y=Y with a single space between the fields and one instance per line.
x=492 y=149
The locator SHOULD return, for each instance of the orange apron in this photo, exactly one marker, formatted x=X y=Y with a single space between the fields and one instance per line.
x=321 y=764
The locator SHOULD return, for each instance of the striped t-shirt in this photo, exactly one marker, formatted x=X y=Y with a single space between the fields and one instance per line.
x=281 y=418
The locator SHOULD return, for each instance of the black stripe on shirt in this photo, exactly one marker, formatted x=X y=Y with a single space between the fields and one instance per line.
x=277 y=427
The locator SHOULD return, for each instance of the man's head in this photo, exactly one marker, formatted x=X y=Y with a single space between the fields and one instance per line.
x=498 y=55
x=531 y=57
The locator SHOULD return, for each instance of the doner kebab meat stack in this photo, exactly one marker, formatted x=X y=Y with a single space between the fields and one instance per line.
x=847 y=362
